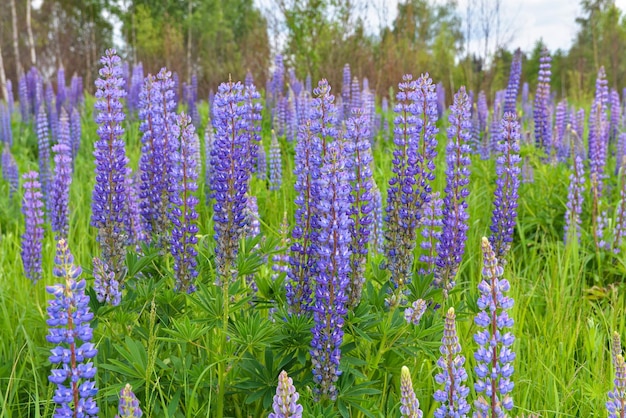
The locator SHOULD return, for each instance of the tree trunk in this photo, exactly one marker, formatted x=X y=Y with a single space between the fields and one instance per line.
x=16 y=49
x=29 y=30
x=3 y=78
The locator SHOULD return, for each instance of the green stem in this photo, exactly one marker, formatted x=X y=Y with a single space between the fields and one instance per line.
x=221 y=368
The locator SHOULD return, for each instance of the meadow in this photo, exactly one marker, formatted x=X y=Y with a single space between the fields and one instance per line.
x=218 y=351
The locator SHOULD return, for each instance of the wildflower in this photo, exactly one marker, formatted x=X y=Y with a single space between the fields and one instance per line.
x=285 y=403
x=129 y=404
x=105 y=285
x=413 y=314
x=276 y=172
x=410 y=406
x=32 y=208
x=60 y=193
x=10 y=172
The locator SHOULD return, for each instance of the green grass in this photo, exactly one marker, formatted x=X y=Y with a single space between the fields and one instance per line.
x=568 y=300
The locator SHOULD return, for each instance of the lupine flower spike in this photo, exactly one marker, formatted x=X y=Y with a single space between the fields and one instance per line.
x=453 y=395
x=105 y=285
x=129 y=404
x=32 y=208
x=413 y=314
x=286 y=399
x=410 y=406
x=616 y=405
x=494 y=356
x=69 y=328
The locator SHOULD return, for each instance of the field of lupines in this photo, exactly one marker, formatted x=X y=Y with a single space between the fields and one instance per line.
x=310 y=251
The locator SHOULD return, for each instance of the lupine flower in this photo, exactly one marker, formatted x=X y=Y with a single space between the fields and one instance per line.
x=413 y=314
x=261 y=163
x=76 y=92
x=599 y=134
x=378 y=233
x=183 y=201
x=32 y=208
x=252 y=119
x=60 y=193
x=61 y=93
x=385 y=110
x=355 y=95
x=252 y=227
x=494 y=356
x=616 y=405
x=276 y=169
x=10 y=99
x=209 y=136
x=69 y=318
x=53 y=116
x=413 y=168
x=105 y=284
x=44 y=154
x=331 y=274
x=507 y=185
x=75 y=131
x=134 y=88
x=133 y=221
x=301 y=259
x=575 y=196
x=483 y=112
x=543 y=125
x=455 y=217
x=616 y=114
x=192 y=107
x=453 y=395
x=22 y=92
x=431 y=224
x=510 y=98
x=6 y=134
x=410 y=406
x=10 y=172
x=345 y=90
x=560 y=144
x=231 y=169
x=616 y=347
x=129 y=404
x=109 y=196
x=358 y=165
x=285 y=403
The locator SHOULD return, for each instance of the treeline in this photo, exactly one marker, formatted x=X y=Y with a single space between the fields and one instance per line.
x=214 y=39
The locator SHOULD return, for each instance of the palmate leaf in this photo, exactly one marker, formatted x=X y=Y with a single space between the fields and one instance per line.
x=252 y=332
x=352 y=396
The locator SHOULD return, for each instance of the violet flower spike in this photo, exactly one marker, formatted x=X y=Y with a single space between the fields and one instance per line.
x=276 y=170
x=60 y=193
x=105 y=284
x=10 y=172
x=454 y=393
x=616 y=405
x=512 y=88
x=129 y=404
x=494 y=356
x=410 y=406
x=33 y=209
x=575 y=196
x=109 y=196
x=71 y=332
x=44 y=155
x=285 y=403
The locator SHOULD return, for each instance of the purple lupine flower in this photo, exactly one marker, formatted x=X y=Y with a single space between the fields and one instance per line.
x=620 y=151
x=249 y=80
x=599 y=133
x=75 y=131
x=109 y=196
x=616 y=115
x=76 y=92
x=575 y=200
x=209 y=137
x=561 y=146
x=133 y=220
x=276 y=167
x=10 y=99
x=358 y=165
x=527 y=107
x=64 y=137
x=441 y=99
x=10 y=172
x=61 y=93
x=192 y=106
x=32 y=208
x=413 y=168
x=277 y=82
x=620 y=217
x=22 y=92
x=507 y=186
x=231 y=168
x=253 y=119
x=475 y=143
x=261 y=163
x=182 y=211
x=410 y=406
x=616 y=347
x=378 y=233
x=385 y=110
x=616 y=405
x=136 y=81
x=580 y=123
x=494 y=356
x=252 y=227
x=60 y=192
x=129 y=404
x=494 y=134
x=6 y=134
x=70 y=330
x=510 y=97
x=345 y=91
x=543 y=128
x=413 y=314
x=332 y=272
x=53 y=116
x=301 y=258
x=483 y=112
x=432 y=222
x=105 y=284
x=355 y=95
x=285 y=403
x=451 y=247
x=454 y=393
x=292 y=117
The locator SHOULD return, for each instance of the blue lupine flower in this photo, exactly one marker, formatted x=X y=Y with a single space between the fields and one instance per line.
x=575 y=196
x=543 y=124
x=109 y=197
x=510 y=98
x=60 y=193
x=616 y=405
x=413 y=314
x=431 y=224
x=75 y=131
x=261 y=163
x=345 y=91
x=507 y=186
x=599 y=134
x=129 y=404
x=6 y=134
x=358 y=164
x=285 y=403
x=10 y=172
x=61 y=90
x=616 y=115
x=378 y=234
x=133 y=220
x=276 y=167
x=32 y=208
x=44 y=155
x=451 y=247
x=332 y=272
x=71 y=332
x=494 y=356
x=53 y=116
x=105 y=284
x=453 y=395
x=231 y=168
x=410 y=406
x=183 y=201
